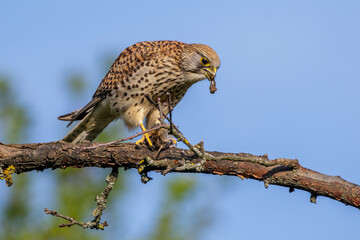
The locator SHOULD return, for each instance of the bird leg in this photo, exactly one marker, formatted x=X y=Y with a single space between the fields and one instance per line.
x=161 y=137
x=144 y=138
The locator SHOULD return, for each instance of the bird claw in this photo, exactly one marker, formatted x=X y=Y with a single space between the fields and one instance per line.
x=144 y=140
x=157 y=139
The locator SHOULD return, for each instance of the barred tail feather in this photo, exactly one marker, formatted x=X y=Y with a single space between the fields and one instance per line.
x=86 y=130
x=82 y=112
x=95 y=116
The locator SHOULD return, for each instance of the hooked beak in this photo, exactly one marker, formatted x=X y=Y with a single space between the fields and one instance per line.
x=210 y=74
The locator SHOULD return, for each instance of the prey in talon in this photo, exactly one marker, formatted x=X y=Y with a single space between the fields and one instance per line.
x=151 y=68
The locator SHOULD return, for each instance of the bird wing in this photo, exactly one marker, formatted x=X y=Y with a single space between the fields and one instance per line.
x=124 y=67
x=134 y=58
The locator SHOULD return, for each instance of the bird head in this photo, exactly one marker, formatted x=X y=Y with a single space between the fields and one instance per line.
x=200 y=61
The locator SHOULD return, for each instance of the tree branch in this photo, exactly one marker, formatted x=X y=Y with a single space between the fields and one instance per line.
x=282 y=172
x=98 y=211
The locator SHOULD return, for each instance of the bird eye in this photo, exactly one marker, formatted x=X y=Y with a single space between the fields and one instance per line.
x=204 y=61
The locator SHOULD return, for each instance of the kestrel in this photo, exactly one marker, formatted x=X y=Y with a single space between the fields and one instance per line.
x=146 y=68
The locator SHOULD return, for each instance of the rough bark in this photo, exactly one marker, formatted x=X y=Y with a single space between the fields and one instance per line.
x=54 y=155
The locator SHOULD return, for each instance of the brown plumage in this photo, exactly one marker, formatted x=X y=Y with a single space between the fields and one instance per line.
x=145 y=68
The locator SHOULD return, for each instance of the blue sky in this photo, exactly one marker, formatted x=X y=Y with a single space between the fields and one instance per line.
x=288 y=86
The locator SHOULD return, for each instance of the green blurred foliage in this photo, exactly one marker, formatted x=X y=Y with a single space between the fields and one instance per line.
x=13 y=122
x=76 y=84
x=14 y=118
x=177 y=191
x=182 y=217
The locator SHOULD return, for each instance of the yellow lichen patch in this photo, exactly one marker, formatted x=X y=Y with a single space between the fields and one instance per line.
x=7 y=175
x=141 y=168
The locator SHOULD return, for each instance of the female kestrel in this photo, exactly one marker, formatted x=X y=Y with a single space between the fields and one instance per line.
x=146 y=68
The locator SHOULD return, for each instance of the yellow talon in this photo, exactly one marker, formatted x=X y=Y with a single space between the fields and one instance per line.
x=144 y=137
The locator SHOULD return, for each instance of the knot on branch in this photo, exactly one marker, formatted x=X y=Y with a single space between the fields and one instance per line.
x=313 y=198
